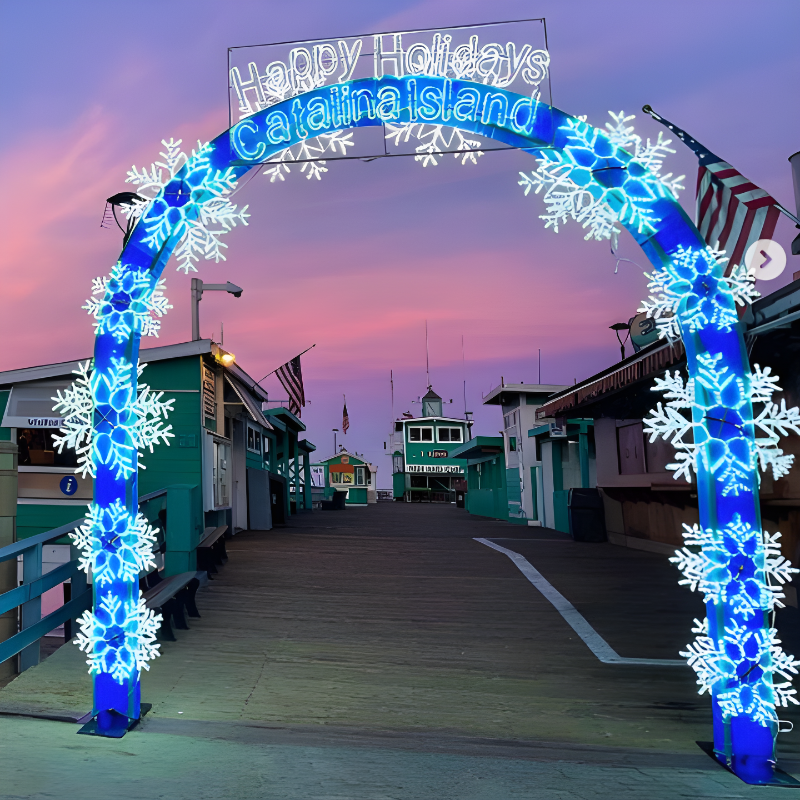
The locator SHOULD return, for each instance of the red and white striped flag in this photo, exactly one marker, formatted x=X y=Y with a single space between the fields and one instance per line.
x=345 y=417
x=291 y=377
x=732 y=212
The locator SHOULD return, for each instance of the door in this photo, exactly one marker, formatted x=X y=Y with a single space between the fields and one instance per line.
x=239 y=463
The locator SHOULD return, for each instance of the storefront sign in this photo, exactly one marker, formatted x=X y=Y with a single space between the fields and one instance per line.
x=436 y=469
x=45 y=422
x=437 y=454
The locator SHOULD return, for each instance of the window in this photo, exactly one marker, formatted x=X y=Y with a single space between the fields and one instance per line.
x=36 y=449
x=512 y=443
x=254 y=440
x=359 y=472
x=449 y=434
x=398 y=465
x=420 y=434
x=398 y=427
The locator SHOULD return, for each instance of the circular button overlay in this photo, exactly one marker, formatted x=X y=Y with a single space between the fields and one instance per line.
x=766 y=259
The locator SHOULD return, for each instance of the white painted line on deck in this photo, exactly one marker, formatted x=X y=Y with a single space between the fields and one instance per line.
x=593 y=640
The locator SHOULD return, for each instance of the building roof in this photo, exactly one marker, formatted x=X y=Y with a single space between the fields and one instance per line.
x=431 y=395
x=640 y=367
x=306 y=446
x=286 y=416
x=479 y=447
x=151 y=354
x=440 y=419
x=344 y=452
x=780 y=309
x=540 y=390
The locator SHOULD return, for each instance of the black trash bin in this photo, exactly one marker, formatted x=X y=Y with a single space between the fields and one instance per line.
x=460 y=499
x=587 y=522
x=338 y=500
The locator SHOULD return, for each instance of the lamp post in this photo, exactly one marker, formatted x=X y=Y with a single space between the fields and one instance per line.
x=335 y=431
x=617 y=327
x=198 y=287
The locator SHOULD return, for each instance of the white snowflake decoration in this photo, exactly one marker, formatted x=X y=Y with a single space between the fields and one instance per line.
x=571 y=191
x=738 y=565
x=133 y=409
x=114 y=544
x=436 y=141
x=197 y=208
x=731 y=458
x=741 y=670
x=726 y=405
x=694 y=284
x=126 y=304
x=309 y=152
x=120 y=638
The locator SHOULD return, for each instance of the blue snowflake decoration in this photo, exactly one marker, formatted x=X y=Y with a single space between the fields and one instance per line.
x=120 y=637
x=738 y=565
x=114 y=544
x=693 y=287
x=129 y=299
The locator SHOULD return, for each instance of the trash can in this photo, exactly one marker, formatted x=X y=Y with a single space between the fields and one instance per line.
x=460 y=498
x=587 y=521
x=338 y=500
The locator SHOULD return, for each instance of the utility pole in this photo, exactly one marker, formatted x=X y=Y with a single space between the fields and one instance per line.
x=198 y=287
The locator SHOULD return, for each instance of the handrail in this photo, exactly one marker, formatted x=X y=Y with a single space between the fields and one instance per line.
x=28 y=595
x=13 y=550
x=152 y=495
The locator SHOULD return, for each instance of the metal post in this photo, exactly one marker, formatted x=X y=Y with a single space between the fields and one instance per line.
x=32 y=610
x=78 y=585
x=8 y=535
x=583 y=452
x=197 y=294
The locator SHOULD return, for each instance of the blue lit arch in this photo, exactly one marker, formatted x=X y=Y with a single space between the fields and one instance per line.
x=513 y=120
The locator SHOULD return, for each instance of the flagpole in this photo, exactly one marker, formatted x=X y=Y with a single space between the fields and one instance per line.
x=291 y=359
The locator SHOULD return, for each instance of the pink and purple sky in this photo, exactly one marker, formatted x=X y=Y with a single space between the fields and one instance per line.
x=358 y=261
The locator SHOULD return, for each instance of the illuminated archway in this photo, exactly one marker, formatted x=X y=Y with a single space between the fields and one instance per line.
x=737 y=655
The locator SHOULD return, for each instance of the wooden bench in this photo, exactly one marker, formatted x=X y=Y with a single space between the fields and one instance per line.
x=211 y=550
x=171 y=597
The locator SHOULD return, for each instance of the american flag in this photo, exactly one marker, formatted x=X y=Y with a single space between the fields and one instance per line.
x=291 y=377
x=345 y=418
x=732 y=212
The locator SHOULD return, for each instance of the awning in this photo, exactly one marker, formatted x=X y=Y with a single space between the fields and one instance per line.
x=634 y=369
x=31 y=406
x=247 y=401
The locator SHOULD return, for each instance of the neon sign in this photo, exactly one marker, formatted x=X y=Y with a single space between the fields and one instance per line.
x=458 y=53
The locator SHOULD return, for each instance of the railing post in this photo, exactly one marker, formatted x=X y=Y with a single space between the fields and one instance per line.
x=182 y=534
x=32 y=610
x=78 y=585
x=8 y=535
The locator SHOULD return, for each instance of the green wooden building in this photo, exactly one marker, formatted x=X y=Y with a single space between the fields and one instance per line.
x=347 y=472
x=423 y=467
x=241 y=464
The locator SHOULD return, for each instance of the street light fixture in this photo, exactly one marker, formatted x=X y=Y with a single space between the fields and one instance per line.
x=198 y=287
x=124 y=199
x=621 y=326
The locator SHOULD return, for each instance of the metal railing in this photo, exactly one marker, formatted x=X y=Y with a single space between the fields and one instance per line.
x=28 y=596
